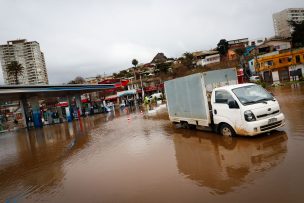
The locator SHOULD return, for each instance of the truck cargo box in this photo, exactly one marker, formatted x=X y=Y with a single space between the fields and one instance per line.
x=187 y=97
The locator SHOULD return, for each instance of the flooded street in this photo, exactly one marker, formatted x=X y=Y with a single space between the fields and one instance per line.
x=137 y=158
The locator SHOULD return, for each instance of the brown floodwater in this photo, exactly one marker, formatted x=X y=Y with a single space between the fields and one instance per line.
x=137 y=158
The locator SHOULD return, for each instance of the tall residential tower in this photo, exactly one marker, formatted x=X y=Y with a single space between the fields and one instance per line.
x=28 y=54
x=280 y=20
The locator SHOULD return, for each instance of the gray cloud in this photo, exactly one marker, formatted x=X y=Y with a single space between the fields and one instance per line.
x=92 y=37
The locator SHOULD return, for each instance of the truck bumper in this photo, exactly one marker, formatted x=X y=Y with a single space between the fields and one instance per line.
x=262 y=126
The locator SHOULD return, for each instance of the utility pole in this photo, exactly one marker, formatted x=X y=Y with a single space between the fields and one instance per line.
x=142 y=88
x=255 y=60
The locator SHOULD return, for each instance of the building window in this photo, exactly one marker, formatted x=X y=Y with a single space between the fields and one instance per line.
x=268 y=63
x=283 y=60
x=298 y=60
x=258 y=65
x=277 y=47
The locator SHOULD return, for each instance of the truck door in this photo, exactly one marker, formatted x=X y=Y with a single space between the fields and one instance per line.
x=222 y=112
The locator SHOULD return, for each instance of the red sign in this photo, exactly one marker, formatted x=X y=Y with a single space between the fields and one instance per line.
x=116 y=82
x=85 y=101
x=150 y=88
x=62 y=104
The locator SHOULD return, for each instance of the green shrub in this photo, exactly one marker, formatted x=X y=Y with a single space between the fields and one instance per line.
x=263 y=84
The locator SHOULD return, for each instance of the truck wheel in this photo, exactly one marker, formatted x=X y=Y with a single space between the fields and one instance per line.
x=226 y=130
x=192 y=127
x=185 y=124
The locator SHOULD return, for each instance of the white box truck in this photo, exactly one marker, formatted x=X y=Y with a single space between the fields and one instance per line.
x=213 y=99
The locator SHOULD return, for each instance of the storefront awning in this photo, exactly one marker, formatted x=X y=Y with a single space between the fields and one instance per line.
x=112 y=97
x=125 y=93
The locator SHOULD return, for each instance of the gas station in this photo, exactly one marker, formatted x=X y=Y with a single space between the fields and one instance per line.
x=32 y=94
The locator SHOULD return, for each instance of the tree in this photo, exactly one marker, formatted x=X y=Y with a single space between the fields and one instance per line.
x=240 y=51
x=122 y=74
x=134 y=62
x=115 y=75
x=188 y=56
x=163 y=67
x=15 y=69
x=297 y=38
x=77 y=80
x=222 y=47
x=187 y=60
x=98 y=76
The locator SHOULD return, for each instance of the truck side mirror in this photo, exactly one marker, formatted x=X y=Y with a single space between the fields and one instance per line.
x=233 y=104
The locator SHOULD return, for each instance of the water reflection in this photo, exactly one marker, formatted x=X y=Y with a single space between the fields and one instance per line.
x=138 y=157
x=292 y=105
x=223 y=165
x=33 y=160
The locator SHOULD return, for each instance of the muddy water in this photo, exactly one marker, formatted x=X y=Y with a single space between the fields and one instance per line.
x=136 y=158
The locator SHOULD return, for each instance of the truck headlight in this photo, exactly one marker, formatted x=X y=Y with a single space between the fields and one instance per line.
x=249 y=116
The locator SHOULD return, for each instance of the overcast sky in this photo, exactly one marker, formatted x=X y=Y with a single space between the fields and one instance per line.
x=90 y=37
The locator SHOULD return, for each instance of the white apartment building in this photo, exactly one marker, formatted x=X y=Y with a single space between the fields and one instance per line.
x=28 y=54
x=215 y=58
x=280 y=20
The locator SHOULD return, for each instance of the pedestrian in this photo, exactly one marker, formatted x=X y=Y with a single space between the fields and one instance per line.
x=146 y=102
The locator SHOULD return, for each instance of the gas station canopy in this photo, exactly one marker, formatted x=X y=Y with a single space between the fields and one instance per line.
x=17 y=92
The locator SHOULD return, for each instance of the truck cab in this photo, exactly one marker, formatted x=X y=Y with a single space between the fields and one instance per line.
x=245 y=109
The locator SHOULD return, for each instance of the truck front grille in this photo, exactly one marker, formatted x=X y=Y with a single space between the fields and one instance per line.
x=270 y=126
x=264 y=115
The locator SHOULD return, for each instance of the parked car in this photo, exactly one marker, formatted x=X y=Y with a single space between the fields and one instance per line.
x=156 y=95
x=254 y=78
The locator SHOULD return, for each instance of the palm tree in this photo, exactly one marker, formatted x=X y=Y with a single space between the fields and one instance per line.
x=15 y=69
x=134 y=63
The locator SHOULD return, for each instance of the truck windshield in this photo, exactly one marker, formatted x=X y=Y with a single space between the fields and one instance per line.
x=252 y=94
